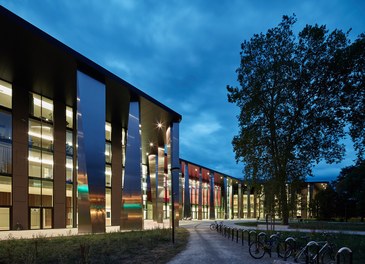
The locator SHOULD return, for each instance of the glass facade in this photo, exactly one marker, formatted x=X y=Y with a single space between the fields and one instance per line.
x=69 y=167
x=6 y=154
x=40 y=162
x=108 y=173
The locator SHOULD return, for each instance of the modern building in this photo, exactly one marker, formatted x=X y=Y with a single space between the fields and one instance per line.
x=82 y=148
x=76 y=140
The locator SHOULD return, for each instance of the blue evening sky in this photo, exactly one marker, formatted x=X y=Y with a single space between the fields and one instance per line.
x=184 y=53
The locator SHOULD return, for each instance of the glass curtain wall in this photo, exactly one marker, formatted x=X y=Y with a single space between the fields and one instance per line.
x=69 y=166
x=5 y=154
x=108 y=172
x=40 y=162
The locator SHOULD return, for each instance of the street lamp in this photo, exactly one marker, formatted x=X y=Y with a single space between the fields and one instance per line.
x=173 y=169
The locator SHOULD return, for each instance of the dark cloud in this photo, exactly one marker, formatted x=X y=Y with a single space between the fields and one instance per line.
x=183 y=53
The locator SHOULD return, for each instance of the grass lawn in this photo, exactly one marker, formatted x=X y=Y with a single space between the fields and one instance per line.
x=152 y=246
x=355 y=242
x=324 y=225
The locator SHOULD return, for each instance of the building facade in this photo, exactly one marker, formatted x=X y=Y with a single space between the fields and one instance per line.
x=82 y=148
x=76 y=140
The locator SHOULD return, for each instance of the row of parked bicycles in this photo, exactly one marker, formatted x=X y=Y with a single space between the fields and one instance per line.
x=291 y=249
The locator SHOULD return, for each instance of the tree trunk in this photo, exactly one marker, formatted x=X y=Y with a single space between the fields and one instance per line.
x=284 y=204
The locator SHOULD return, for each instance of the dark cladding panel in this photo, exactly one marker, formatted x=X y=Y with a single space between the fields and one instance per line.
x=211 y=201
x=175 y=169
x=91 y=154
x=131 y=213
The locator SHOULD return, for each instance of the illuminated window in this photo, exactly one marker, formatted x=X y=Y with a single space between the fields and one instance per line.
x=6 y=94
x=69 y=117
x=5 y=190
x=41 y=107
x=108 y=152
x=5 y=142
x=108 y=131
x=69 y=205
x=108 y=176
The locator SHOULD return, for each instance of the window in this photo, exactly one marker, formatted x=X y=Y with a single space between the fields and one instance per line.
x=108 y=176
x=4 y=218
x=40 y=162
x=108 y=172
x=6 y=93
x=69 y=117
x=108 y=131
x=5 y=142
x=69 y=205
x=108 y=206
x=41 y=107
x=5 y=191
x=108 y=152
x=69 y=143
x=69 y=169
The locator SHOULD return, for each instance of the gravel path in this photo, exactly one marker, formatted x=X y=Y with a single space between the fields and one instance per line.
x=206 y=246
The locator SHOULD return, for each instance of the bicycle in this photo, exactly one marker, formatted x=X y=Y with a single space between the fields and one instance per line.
x=295 y=249
x=317 y=252
x=263 y=245
x=215 y=226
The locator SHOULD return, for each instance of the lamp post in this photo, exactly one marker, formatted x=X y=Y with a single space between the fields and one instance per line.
x=173 y=169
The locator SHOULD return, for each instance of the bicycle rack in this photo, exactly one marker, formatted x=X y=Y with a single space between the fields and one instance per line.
x=343 y=252
x=233 y=229
x=316 y=247
x=248 y=234
x=262 y=234
x=252 y=232
x=272 y=222
x=237 y=229
x=289 y=240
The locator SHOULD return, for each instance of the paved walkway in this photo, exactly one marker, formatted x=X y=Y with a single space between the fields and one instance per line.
x=207 y=246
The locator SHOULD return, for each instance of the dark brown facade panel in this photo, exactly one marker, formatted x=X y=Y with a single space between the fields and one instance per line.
x=116 y=192
x=59 y=189
x=20 y=210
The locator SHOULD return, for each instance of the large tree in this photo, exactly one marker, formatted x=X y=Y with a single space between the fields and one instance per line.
x=350 y=186
x=291 y=98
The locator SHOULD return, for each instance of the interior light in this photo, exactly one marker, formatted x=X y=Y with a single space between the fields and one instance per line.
x=38 y=135
x=43 y=104
x=5 y=90
x=68 y=113
x=39 y=160
x=151 y=144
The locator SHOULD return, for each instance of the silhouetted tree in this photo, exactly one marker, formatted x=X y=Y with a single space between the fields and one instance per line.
x=350 y=186
x=293 y=105
x=353 y=62
x=326 y=201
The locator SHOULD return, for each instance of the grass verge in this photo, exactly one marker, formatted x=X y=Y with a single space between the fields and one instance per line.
x=152 y=246
x=323 y=225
